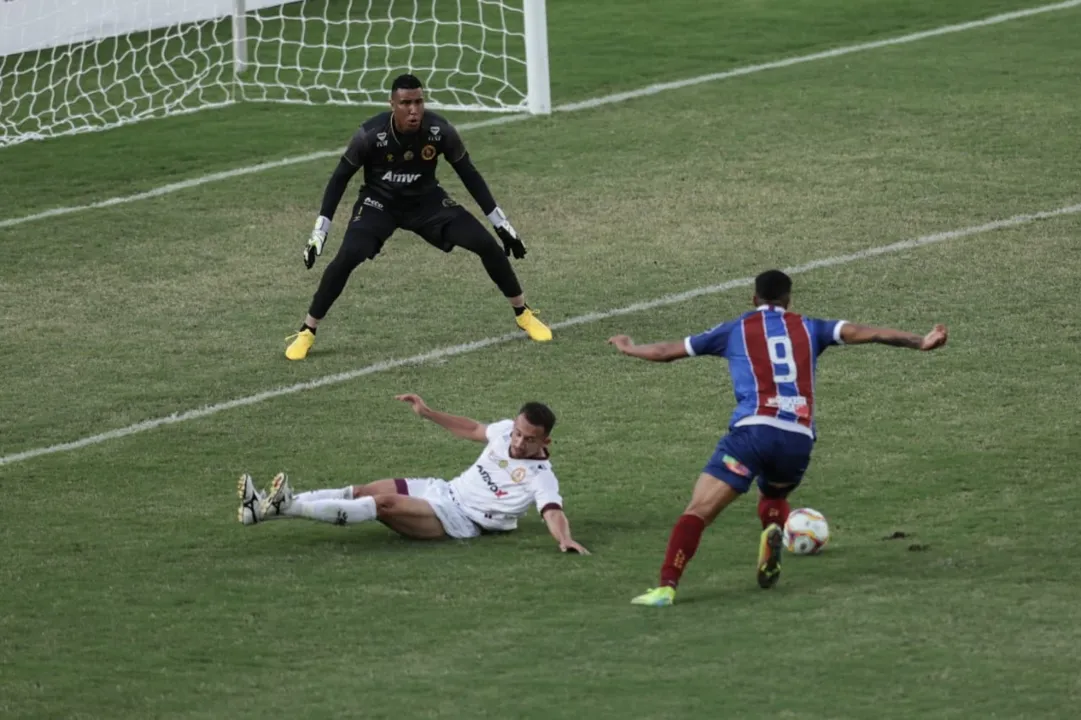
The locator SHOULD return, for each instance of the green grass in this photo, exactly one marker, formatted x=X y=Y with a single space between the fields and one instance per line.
x=130 y=591
x=587 y=59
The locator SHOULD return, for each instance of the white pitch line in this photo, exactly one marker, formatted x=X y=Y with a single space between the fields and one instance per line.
x=566 y=107
x=824 y=55
x=452 y=350
x=223 y=175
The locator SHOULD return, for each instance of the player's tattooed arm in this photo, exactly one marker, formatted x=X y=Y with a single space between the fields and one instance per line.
x=852 y=334
x=462 y=427
x=654 y=352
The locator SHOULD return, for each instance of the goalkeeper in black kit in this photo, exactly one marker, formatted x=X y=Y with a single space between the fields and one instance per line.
x=399 y=151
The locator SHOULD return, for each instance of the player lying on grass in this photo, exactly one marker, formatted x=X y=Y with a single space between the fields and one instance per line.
x=512 y=472
x=772 y=356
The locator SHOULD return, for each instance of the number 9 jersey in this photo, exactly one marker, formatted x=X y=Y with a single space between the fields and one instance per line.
x=772 y=356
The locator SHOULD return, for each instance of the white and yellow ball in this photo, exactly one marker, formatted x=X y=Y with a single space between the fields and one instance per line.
x=806 y=532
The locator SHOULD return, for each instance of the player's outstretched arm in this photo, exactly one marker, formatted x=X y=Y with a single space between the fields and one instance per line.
x=462 y=427
x=350 y=163
x=336 y=186
x=560 y=528
x=478 y=188
x=852 y=334
x=654 y=352
x=339 y=181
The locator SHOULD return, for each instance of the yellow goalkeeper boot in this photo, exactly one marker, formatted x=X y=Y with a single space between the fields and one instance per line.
x=536 y=330
x=301 y=343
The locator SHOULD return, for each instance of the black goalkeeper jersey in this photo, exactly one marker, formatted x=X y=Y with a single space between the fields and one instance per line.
x=399 y=166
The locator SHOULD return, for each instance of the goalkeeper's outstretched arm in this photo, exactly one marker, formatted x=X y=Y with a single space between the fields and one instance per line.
x=350 y=163
x=474 y=182
x=336 y=186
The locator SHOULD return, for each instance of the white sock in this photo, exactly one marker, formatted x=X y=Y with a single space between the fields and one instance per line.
x=337 y=512
x=345 y=493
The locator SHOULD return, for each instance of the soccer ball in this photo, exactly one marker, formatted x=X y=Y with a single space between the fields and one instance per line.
x=806 y=532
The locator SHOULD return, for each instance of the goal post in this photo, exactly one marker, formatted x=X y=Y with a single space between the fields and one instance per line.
x=240 y=36
x=539 y=86
x=73 y=66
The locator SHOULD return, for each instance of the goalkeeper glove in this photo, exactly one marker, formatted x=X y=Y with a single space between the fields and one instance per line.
x=512 y=242
x=314 y=247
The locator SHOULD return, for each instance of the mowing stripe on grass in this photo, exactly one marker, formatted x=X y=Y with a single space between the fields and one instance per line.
x=566 y=107
x=453 y=350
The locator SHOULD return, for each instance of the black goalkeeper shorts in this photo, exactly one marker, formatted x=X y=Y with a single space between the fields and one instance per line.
x=436 y=217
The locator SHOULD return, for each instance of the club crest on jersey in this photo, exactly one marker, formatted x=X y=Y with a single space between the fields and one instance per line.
x=518 y=474
x=736 y=466
x=427 y=152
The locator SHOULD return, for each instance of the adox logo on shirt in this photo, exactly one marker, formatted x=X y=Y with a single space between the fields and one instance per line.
x=489 y=482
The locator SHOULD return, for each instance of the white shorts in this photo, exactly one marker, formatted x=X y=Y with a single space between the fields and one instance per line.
x=437 y=493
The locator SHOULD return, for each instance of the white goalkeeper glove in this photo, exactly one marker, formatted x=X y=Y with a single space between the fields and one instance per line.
x=512 y=241
x=314 y=247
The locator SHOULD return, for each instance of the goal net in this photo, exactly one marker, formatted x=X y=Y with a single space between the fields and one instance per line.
x=71 y=66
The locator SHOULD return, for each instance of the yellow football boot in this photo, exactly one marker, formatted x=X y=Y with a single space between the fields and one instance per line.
x=302 y=343
x=536 y=330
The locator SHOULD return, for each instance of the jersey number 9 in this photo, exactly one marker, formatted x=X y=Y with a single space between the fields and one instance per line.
x=781 y=355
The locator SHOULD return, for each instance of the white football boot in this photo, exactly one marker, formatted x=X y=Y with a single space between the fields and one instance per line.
x=277 y=500
x=250 y=499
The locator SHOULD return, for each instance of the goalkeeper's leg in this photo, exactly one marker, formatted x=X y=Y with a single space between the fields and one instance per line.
x=452 y=227
x=363 y=240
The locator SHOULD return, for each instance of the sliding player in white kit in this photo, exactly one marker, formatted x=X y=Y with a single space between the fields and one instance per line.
x=511 y=474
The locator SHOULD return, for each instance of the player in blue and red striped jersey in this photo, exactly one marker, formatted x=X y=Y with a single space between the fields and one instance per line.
x=772 y=355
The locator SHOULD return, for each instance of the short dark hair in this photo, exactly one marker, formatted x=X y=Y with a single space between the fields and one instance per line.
x=772 y=286
x=406 y=81
x=539 y=414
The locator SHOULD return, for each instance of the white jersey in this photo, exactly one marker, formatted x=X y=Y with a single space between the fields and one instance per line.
x=498 y=489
